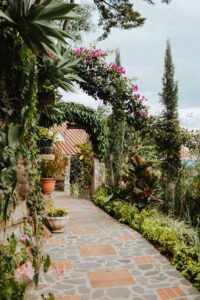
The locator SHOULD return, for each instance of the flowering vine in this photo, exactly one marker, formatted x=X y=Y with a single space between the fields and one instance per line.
x=108 y=82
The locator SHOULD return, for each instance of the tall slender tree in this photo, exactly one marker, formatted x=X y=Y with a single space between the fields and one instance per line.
x=168 y=141
x=116 y=124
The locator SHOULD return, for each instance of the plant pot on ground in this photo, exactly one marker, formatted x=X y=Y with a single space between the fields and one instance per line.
x=56 y=219
x=51 y=169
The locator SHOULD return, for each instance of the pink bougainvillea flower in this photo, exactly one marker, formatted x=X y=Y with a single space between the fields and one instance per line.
x=135 y=87
x=24 y=237
x=88 y=57
x=142 y=113
x=137 y=95
x=24 y=273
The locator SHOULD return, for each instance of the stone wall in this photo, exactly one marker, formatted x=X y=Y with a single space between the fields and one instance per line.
x=20 y=212
x=98 y=177
x=67 y=177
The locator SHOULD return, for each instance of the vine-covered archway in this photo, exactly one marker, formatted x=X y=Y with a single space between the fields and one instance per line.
x=82 y=115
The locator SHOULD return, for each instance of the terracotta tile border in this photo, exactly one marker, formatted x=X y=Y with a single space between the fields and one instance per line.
x=125 y=238
x=96 y=250
x=171 y=292
x=60 y=265
x=60 y=241
x=87 y=232
x=68 y=298
x=143 y=260
x=81 y=224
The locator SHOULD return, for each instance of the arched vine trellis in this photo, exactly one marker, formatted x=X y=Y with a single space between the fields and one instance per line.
x=86 y=117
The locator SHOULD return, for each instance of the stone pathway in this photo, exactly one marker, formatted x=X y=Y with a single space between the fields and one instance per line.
x=99 y=258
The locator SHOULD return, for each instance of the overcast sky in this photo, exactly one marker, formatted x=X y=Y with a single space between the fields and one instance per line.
x=143 y=50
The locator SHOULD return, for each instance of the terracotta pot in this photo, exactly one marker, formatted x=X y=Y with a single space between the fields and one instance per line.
x=57 y=224
x=48 y=185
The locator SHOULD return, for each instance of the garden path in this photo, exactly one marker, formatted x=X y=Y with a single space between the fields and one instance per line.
x=99 y=258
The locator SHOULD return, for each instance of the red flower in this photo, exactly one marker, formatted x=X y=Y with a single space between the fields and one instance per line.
x=120 y=185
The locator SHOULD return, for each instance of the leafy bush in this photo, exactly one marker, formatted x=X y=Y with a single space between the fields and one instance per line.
x=53 y=168
x=19 y=264
x=139 y=183
x=173 y=238
x=56 y=212
x=76 y=168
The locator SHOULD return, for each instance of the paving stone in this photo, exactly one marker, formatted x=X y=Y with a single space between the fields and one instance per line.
x=193 y=291
x=97 y=294
x=138 y=289
x=119 y=293
x=150 y=297
x=174 y=274
x=84 y=289
x=145 y=267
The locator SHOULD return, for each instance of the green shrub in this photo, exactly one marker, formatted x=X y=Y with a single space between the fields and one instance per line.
x=174 y=238
x=56 y=212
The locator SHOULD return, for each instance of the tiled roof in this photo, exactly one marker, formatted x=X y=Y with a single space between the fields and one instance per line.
x=70 y=137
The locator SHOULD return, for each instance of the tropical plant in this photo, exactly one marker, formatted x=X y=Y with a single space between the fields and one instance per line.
x=34 y=21
x=139 y=185
x=57 y=71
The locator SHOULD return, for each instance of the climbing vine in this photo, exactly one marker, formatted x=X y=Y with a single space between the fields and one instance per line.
x=108 y=82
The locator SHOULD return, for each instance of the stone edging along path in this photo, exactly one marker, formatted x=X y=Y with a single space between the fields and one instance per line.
x=99 y=258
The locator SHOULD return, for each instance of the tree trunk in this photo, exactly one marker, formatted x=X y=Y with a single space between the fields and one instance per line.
x=66 y=23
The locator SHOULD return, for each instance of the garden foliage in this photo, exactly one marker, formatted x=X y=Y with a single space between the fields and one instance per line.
x=138 y=184
x=175 y=239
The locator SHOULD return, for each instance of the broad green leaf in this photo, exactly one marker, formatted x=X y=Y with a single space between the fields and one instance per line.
x=13 y=135
x=8 y=176
x=56 y=11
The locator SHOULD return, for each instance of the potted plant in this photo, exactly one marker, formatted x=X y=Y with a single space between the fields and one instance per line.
x=51 y=169
x=46 y=140
x=56 y=218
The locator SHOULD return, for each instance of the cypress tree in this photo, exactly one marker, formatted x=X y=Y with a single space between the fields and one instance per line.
x=168 y=141
x=116 y=124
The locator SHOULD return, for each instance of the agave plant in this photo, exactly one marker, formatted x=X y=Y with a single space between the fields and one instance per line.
x=59 y=71
x=34 y=21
